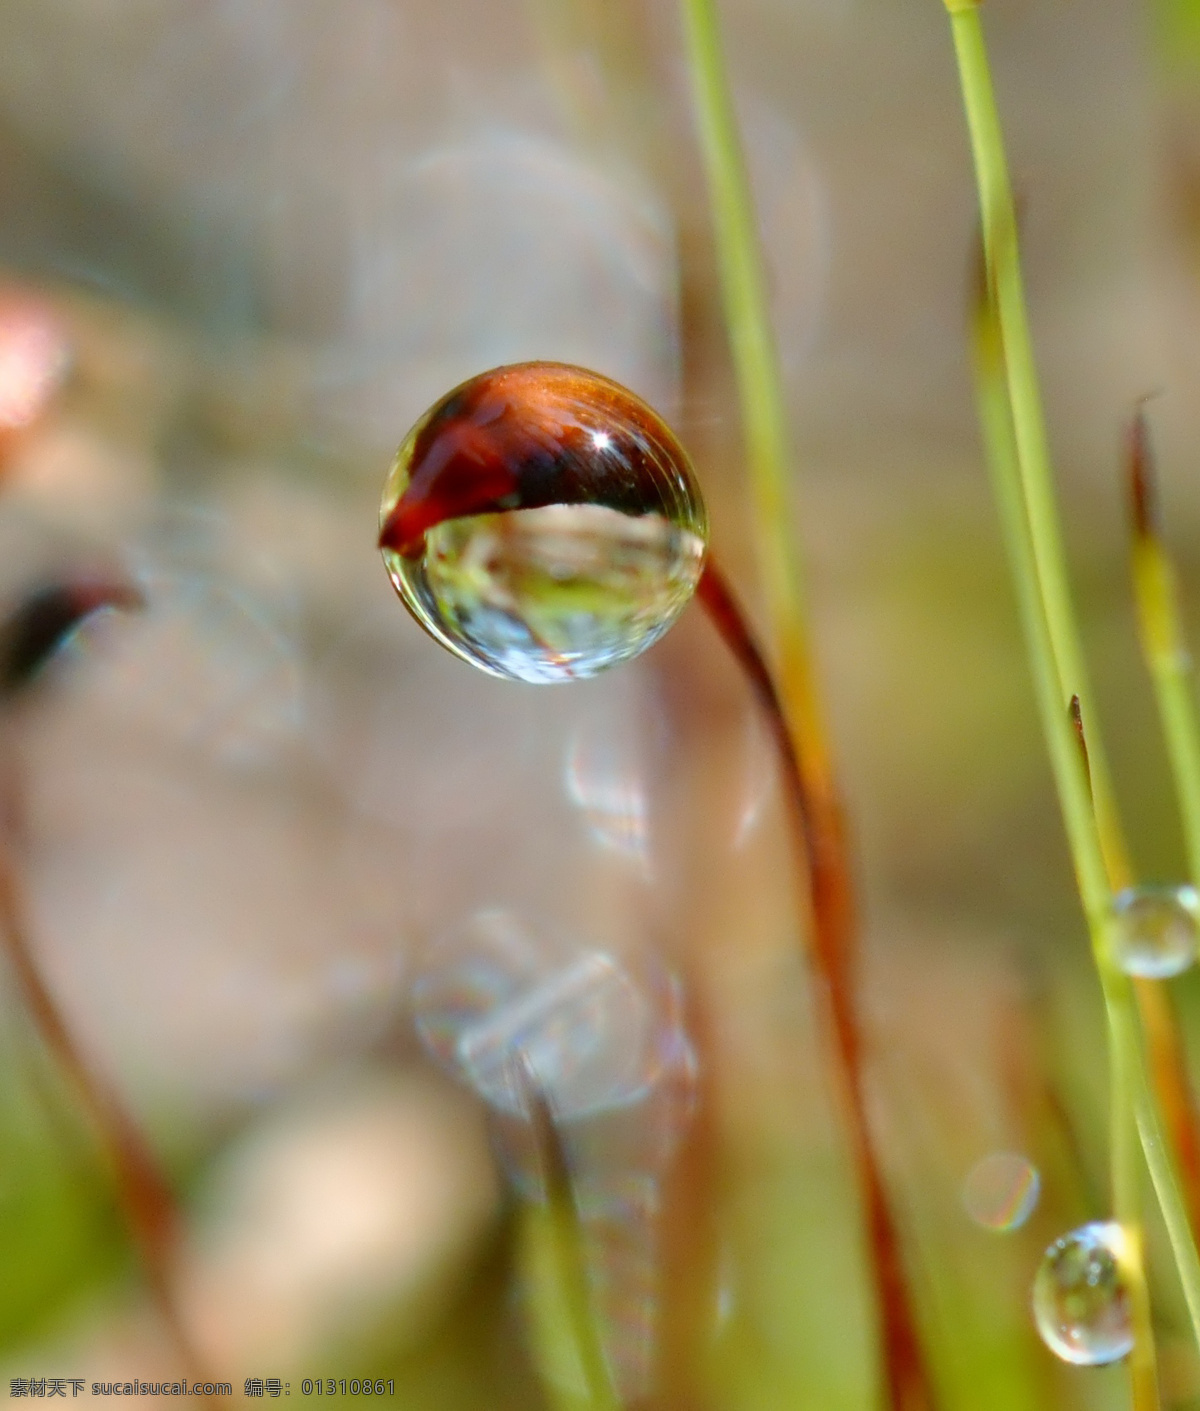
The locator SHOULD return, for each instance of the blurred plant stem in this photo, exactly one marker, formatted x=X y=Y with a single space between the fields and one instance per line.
x=29 y=638
x=1164 y=647
x=1071 y=777
x=1010 y=414
x=1156 y=596
x=769 y=464
x=566 y=1329
x=143 y=1191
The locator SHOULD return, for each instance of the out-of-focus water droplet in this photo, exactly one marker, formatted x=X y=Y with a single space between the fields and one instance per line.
x=1001 y=1191
x=492 y=991
x=1156 y=930
x=543 y=523
x=604 y=780
x=620 y=1215
x=1080 y=1301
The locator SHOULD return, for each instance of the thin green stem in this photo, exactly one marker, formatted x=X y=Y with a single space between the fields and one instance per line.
x=1001 y=252
x=743 y=286
x=830 y=893
x=1126 y=1174
x=1011 y=417
x=1177 y=708
x=1072 y=779
x=1004 y=274
x=569 y=1333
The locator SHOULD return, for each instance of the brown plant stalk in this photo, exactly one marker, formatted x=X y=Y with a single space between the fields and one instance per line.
x=820 y=841
x=28 y=639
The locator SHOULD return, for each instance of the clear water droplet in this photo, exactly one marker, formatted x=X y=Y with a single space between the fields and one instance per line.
x=1080 y=1301
x=1156 y=931
x=1001 y=1191
x=493 y=989
x=543 y=523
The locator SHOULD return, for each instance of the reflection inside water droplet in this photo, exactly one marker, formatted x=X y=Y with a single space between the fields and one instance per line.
x=1080 y=1300
x=1001 y=1191
x=554 y=593
x=1156 y=930
x=493 y=990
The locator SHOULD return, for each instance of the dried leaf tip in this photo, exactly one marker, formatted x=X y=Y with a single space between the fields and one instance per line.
x=1143 y=484
x=1076 y=712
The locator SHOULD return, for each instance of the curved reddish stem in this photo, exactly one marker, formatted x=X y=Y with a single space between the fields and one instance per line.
x=145 y=1196
x=29 y=637
x=821 y=843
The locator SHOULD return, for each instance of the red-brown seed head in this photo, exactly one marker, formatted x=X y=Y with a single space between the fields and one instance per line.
x=530 y=435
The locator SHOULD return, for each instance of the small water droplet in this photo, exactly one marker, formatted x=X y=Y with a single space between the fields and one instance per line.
x=1156 y=932
x=1000 y=1191
x=1080 y=1302
x=543 y=523
x=493 y=989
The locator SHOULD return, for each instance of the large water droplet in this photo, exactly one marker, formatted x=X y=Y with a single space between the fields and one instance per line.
x=493 y=991
x=1080 y=1302
x=1156 y=931
x=1001 y=1191
x=543 y=523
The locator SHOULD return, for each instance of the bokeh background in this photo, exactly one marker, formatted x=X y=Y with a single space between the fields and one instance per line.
x=243 y=245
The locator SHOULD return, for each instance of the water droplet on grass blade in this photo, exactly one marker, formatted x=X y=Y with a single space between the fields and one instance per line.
x=1156 y=931
x=1080 y=1301
x=543 y=523
x=1001 y=1191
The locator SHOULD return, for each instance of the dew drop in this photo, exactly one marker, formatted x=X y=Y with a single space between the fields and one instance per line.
x=1156 y=933
x=1080 y=1302
x=543 y=523
x=494 y=989
x=1001 y=1191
